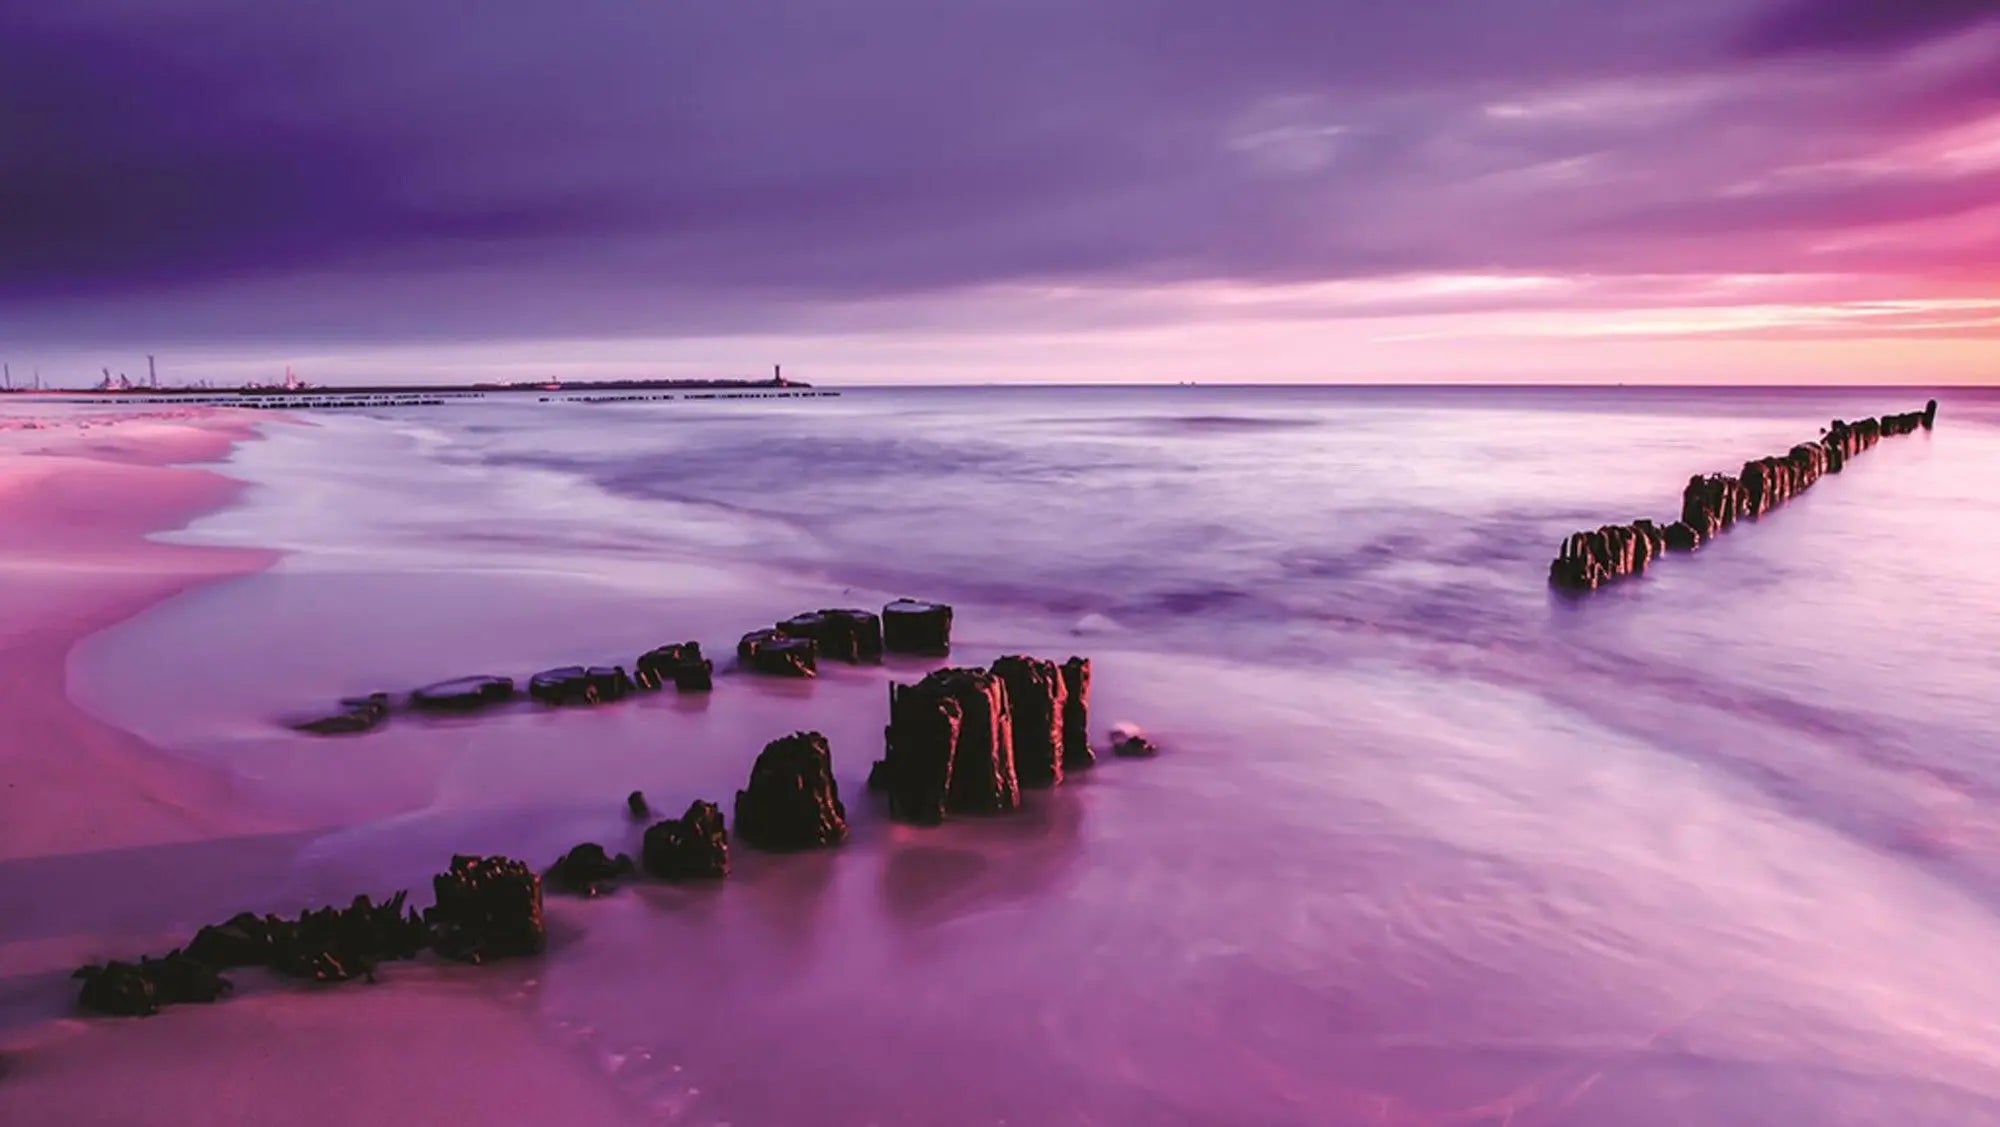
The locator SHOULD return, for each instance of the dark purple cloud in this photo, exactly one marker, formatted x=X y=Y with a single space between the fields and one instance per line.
x=377 y=171
x=1863 y=25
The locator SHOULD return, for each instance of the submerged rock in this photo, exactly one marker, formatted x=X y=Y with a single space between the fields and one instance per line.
x=463 y=694
x=694 y=846
x=776 y=653
x=792 y=801
x=587 y=869
x=566 y=684
x=912 y=627
x=1037 y=696
x=487 y=908
x=1076 y=714
x=356 y=714
x=681 y=664
x=1130 y=743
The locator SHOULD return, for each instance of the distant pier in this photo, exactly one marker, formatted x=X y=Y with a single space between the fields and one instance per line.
x=354 y=398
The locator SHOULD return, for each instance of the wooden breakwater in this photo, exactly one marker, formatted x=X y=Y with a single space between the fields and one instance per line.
x=1712 y=502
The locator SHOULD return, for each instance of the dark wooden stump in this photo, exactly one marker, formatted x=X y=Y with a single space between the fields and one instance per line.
x=1682 y=537
x=840 y=634
x=1036 y=697
x=912 y=627
x=681 y=664
x=983 y=780
x=778 y=654
x=792 y=801
x=1076 y=714
x=920 y=743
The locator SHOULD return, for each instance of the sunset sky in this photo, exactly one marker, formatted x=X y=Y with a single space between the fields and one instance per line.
x=1031 y=190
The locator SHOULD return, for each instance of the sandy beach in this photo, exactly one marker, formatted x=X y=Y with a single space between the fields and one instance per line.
x=102 y=838
x=79 y=503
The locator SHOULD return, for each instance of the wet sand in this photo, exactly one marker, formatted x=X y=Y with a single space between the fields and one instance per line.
x=79 y=503
x=103 y=837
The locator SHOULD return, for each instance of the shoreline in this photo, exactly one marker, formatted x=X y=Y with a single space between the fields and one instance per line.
x=85 y=504
x=102 y=842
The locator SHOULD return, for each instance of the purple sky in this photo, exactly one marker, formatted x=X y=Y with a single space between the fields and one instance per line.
x=1078 y=190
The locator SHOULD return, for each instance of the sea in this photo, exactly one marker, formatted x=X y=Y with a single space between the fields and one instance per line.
x=1427 y=842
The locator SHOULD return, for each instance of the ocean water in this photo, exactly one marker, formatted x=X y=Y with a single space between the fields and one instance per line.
x=1429 y=842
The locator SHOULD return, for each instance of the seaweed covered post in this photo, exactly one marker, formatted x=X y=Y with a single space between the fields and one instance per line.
x=588 y=870
x=139 y=989
x=322 y=944
x=487 y=908
x=694 y=846
x=792 y=801
x=336 y=944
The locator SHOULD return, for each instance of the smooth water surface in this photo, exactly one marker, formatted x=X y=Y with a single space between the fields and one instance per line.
x=1429 y=842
